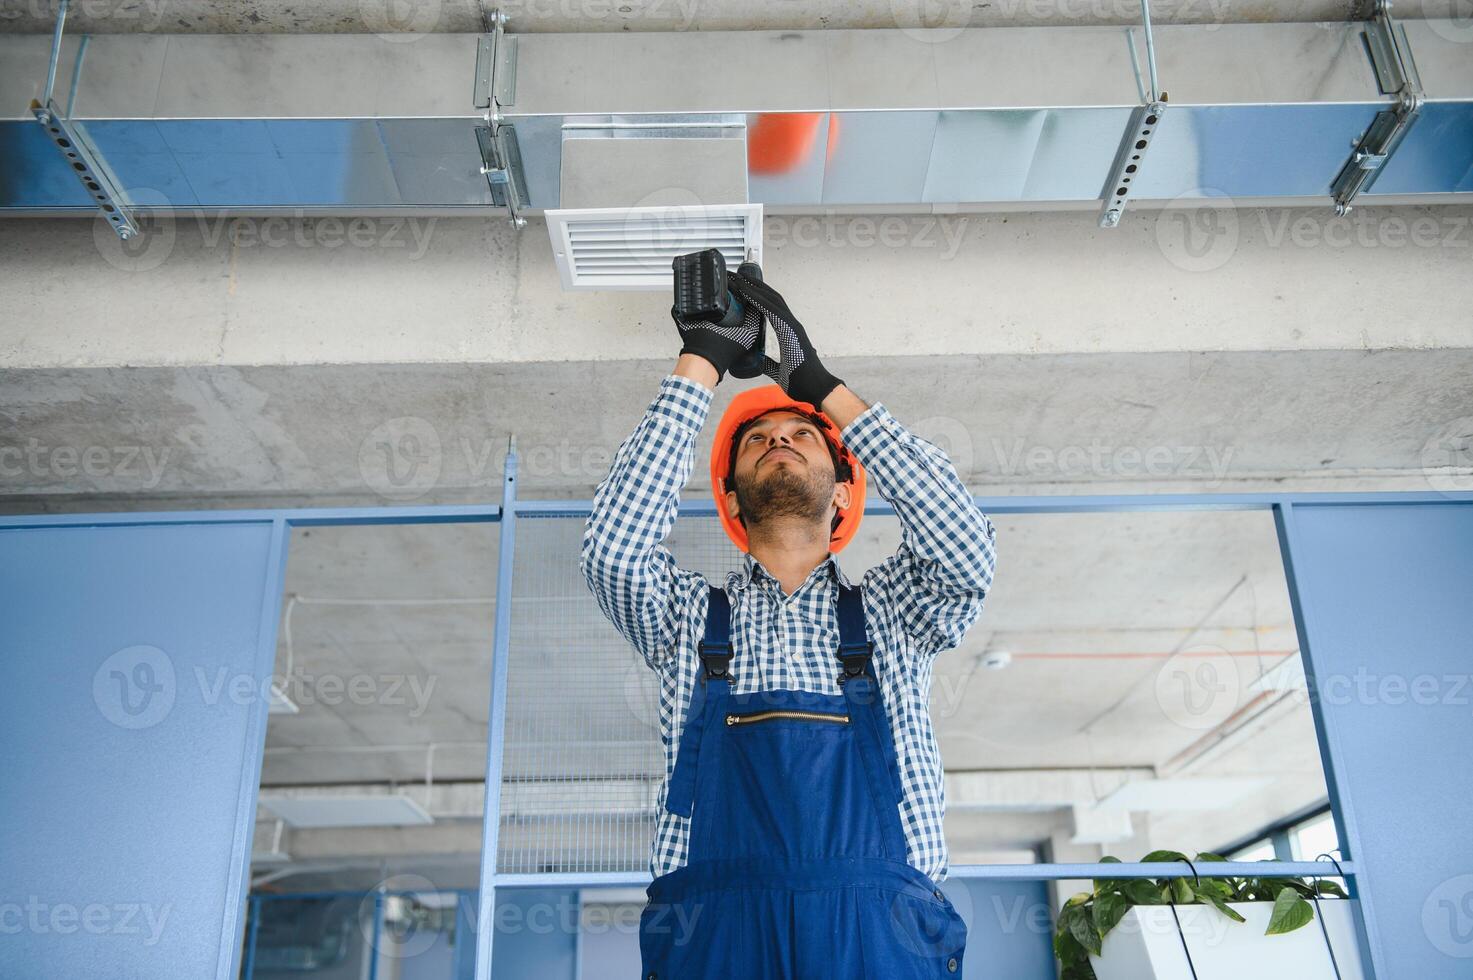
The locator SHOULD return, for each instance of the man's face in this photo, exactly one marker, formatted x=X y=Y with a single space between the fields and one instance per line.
x=783 y=469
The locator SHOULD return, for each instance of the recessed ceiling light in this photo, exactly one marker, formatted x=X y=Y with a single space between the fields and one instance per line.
x=1183 y=794
x=390 y=810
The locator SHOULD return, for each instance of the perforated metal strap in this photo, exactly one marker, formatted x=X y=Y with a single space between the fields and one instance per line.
x=855 y=648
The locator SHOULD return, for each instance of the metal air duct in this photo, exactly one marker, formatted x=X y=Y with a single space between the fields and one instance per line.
x=902 y=120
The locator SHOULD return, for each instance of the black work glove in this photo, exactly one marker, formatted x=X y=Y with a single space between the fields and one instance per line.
x=722 y=346
x=800 y=373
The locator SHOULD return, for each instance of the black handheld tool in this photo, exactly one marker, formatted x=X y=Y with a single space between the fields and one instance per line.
x=702 y=293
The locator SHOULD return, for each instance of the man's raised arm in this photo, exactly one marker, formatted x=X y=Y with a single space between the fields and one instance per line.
x=943 y=569
x=628 y=569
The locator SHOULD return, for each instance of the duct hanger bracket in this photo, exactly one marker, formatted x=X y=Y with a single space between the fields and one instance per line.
x=501 y=162
x=496 y=64
x=496 y=86
x=83 y=158
x=1396 y=74
x=89 y=166
x=1140 y=133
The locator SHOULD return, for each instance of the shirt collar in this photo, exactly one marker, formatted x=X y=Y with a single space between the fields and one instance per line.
x=753 y=571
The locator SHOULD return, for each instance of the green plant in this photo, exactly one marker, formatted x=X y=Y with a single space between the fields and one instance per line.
x=1088 y=917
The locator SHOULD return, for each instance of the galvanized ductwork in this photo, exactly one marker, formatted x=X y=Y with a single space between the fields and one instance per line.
x=807 y=120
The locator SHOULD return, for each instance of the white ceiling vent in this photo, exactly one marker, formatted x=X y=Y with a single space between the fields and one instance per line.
x=631 y=248
x=305 y=811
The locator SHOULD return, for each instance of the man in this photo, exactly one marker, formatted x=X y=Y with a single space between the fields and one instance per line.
x=799 y=831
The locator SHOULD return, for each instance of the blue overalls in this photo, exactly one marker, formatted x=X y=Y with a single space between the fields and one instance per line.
x=796 y=866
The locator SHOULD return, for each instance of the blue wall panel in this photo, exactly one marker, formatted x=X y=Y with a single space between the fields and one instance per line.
x=1386 y=613
x=1010 y=928
x=536 y=933
x=130 y=713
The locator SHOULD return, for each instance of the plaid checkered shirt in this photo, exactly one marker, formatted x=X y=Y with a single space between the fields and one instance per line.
x=917 y=602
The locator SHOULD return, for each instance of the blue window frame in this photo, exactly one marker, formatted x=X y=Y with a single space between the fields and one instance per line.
x=512 y=509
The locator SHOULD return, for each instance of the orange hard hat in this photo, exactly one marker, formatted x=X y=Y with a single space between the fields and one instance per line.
x=759 y=401
x=781 y=142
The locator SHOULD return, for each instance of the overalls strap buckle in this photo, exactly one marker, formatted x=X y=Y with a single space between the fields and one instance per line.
x=715 y=652
x=715 y=648
x=855 y=647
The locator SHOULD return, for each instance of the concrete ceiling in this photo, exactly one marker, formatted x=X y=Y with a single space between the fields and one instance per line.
x=459 y=16
x=222 y=436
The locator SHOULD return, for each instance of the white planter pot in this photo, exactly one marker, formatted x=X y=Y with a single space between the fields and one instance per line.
x=1147 y=946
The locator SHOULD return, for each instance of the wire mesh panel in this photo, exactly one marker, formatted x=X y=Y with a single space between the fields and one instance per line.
x=1137 y=663
x=583 y=760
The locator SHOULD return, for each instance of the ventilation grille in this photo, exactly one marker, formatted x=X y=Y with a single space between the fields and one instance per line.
x=631 y=248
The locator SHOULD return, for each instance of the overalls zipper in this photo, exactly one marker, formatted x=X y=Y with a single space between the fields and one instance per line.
x=768 y=715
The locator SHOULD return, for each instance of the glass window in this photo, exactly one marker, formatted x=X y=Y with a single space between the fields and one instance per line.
x=1128 y=688
x=1314 y=837
x=1261 y=851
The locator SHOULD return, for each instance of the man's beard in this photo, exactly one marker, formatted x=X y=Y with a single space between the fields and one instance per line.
x=785 y=493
